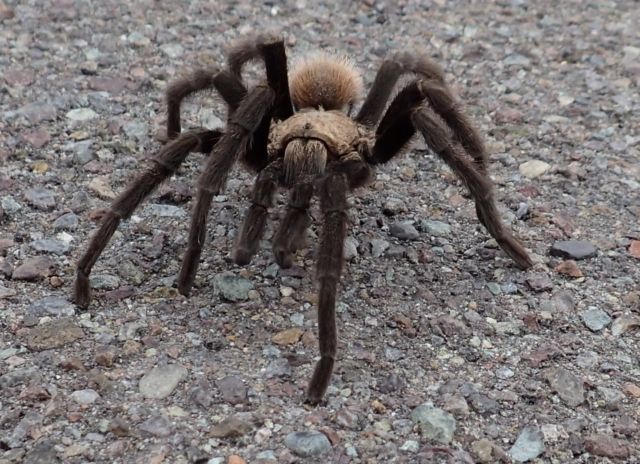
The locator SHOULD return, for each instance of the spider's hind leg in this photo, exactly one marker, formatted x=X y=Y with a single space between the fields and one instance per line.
x=390 y=71
x=462 y=164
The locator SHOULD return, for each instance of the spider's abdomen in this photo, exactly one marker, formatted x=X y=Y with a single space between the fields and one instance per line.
x=337 y=131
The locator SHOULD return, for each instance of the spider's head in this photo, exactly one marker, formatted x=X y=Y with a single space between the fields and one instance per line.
x=325 y=81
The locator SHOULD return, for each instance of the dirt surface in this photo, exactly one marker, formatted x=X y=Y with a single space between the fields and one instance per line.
x=447 y=352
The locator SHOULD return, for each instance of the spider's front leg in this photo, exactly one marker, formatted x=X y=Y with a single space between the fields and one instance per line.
x=333 y=203
x=228 y=86
x=235 y=142
x=291 y=233
x=256 y=217
x=165 y=163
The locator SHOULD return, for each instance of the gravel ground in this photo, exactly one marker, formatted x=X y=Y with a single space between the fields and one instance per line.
x=448 y=353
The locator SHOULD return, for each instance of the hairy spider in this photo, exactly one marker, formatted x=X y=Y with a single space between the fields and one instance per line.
x=294 y=132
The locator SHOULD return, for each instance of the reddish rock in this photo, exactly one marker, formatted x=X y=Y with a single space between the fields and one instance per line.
x=18 y=77
x=569 y=268
x=634 y=249
x=34 y=269
x=113 y=85
x=36 y=138
x=6 y=12
x=603 y=445
x=508 y=116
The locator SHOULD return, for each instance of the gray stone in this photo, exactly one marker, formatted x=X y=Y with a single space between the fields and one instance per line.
x=231 y=287
x=595 y=318
x=40 y=198
x=404 y=231
x=172 y=50
x=435 y=228
x=85 y=397
x=130 y=272
x=157 y=426
x=136 y=130
x=233 y=390
x=43 y=452
x=611 y=396
x=81 y=115
x=529 y=445
x=80 y=201
x=410 y=446
x=308 y=443
x=482 y=404
x=131 y=330
x=82 y=151
x=267 y=455
x=350 y=250
x=160 y=381
x=393 y=206
x=539 y=282
x=624 y=323
x=483 y=450
x=54 y=334
x=271 y=271
x=231 y=427
x=68 y=221
x=6 y=292
x=18 y=376
x=208 y=118
x=587 y=360
x=568 y=387
x=138 y=40
x=10 y=205
x=51 y=305
x=378 y=247
x=161 y=210
x=435 y=423
x=393 y=354
x=278 y=368
x=47 y=245
x=494 y=288
x=104 y=281
x=534 y=168
x=573 y=249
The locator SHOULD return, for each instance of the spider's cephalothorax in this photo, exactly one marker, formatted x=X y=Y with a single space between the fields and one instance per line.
x=296 y=132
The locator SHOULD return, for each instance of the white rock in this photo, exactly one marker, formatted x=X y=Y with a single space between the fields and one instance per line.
x=82 y=114
x=534 y=168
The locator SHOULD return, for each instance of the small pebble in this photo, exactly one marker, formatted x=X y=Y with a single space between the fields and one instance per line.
x=308 y=443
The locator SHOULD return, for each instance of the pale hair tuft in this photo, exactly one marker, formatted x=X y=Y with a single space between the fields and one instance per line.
x=324 y=80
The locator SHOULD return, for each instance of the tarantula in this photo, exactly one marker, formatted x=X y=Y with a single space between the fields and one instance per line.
x=294 y=131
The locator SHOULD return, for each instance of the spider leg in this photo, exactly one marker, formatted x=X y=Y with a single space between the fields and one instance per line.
x=438 y=139
x=352 y=171
x=445 y=105
x=233 y=143
x=333 y=203
x=291 y=233
x=228 y=86
x=396 y=129
x=165 y=164
x=387 y=77
x=256 y=218
x=271 y=49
